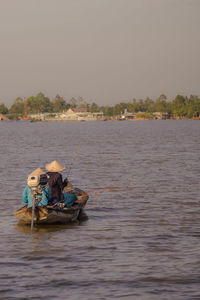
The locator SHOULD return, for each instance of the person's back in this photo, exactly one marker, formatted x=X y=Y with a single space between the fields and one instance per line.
x=55 y=181
x=37 y=189
x=55 y=185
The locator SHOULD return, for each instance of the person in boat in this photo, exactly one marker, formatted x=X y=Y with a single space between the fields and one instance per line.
x=37 y=187
x=57 y=184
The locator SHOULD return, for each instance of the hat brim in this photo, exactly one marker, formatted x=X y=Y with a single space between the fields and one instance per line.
x=55 y=167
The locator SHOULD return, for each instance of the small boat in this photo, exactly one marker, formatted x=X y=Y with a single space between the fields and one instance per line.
x=53 y=214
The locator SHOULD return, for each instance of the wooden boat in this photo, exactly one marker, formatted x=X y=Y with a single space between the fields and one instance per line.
x=53 y=214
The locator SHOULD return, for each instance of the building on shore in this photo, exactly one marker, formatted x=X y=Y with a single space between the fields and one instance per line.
x=81 y=114
x=69 y=115
x=143 y=115
x=160 y=115
x=3 y=118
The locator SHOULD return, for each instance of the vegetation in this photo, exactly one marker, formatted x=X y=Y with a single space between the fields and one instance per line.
x=3 y=109
x=180 y=107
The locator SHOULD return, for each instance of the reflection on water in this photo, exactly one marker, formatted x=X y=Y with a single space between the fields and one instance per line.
x=140 y=243
x=44 y=228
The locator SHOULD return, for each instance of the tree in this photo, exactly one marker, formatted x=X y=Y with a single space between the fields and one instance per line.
x=119 y=109
x=32 y=104
x=108 y=111
x=59 y=104
x=179 y=106
x=93 y=107
x=73 y=102
x=149 y=104
x=160 y=105
x=44 y=103
x=17 y=107
x=3 y=109
x=162 y=97
x=39 y=104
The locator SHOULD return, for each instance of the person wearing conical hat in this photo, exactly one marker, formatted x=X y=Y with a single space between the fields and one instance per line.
x=56 y=185
x=34 y=178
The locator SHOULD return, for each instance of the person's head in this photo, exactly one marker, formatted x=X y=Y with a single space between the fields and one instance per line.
x=37 y=172
x=54 y=166
x=34 y=178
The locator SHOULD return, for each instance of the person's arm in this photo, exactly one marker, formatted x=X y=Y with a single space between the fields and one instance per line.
x=25 y=195
x=45 y=196
x=60 y=182
x=65 y=182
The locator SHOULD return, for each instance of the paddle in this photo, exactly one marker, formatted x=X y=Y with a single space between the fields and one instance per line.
x=33 y=197
x=33 y=212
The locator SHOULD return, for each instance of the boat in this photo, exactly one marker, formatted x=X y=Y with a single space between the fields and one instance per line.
x=53 y=214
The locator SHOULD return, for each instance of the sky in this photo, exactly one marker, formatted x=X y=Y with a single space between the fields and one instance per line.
x=106 y=51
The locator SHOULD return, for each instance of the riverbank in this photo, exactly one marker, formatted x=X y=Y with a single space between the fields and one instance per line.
x=103 y=119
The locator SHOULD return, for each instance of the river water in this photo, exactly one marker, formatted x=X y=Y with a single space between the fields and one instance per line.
x=140 y=243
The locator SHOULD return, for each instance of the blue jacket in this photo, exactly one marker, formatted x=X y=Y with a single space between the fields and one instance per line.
x=28 y=200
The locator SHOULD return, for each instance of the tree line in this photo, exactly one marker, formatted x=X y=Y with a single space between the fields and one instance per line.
x=181 y=106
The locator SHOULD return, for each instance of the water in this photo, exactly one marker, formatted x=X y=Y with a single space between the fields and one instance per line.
x=136 y=244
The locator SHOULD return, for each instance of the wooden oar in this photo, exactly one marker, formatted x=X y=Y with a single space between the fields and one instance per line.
x=33 y=212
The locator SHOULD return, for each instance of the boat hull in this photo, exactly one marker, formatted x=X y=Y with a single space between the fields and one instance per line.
x=50 y=214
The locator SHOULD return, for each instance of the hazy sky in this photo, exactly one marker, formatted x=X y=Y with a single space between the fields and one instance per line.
x=106 y=51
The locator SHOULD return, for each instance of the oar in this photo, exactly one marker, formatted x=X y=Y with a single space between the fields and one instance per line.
x=73 y=160
x=33 y=212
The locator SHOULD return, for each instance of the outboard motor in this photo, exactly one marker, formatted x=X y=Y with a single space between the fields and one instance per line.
x=37 y=184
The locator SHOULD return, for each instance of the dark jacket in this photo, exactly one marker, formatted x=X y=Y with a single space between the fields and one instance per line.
x=56 y=185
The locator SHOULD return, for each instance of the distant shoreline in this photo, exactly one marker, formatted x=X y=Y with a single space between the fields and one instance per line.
x=110 y=120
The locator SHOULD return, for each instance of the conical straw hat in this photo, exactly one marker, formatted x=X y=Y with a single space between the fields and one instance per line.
x=37 y=172
x=54 y=166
